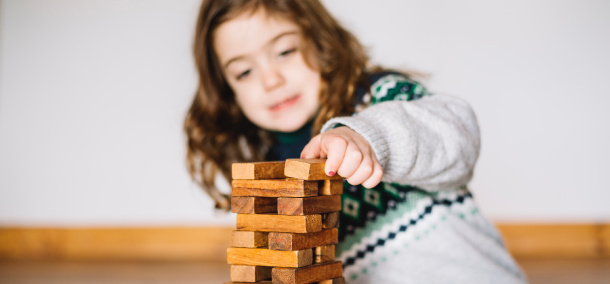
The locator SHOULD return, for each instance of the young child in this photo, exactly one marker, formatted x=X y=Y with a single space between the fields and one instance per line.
x=272 y=73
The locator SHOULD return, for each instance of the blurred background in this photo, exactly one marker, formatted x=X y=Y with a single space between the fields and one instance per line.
x=92 y=154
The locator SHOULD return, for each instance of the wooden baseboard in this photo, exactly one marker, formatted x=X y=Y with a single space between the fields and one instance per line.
x=195 y=243
x=210 y=243
x=557 y=240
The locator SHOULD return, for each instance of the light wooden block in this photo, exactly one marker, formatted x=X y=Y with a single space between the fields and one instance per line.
x=249 y=273
x=275 y=188
x=249 y=239
x=330 y=187
x=309 y=205
x=330 y=220
x=276 y=183
x=253 y=205
x=293 y=241
x=309 y=274
x=324 y=254
x=267 y=257
x=258 y=170
x=308 y=169
x=338 y=280
x=279 y=223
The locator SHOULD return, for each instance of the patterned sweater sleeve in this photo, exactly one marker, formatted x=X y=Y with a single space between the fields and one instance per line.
x=428 y=141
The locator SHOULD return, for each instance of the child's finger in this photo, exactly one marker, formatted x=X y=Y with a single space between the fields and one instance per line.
x=351 y=161
x=375 y=177
x=363 y=172
x=334 y=148
x=312 y=149
x=366 y=169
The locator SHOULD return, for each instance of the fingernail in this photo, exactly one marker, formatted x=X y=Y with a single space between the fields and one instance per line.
x=302 y=156
x=331 y=173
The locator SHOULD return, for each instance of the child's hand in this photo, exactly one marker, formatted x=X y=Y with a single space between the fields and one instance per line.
x=349 y=155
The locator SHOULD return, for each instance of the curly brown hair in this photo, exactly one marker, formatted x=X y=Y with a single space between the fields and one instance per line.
x=218 y=132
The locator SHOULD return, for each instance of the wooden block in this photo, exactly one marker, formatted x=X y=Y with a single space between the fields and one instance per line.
x=293 y=241
x=275 y=188
x=258 y=170
x=276 y=183
x=330 y=187
x=309 y=205
x=324 y=254
x=307 y=169
x=286 y=192
x=330 y=220
x=267 y=257
x=249 y=239
x=279 y=223
x=309 y=274
x=249 y=273
x=253 y=205
x=338 y=280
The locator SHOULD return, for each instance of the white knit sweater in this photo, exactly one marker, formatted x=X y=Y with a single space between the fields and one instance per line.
x=437 y=235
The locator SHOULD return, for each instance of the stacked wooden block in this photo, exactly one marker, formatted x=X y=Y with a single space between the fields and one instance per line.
x=287 y=219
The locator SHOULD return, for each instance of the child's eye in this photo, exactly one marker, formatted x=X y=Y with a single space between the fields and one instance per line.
x=289 y=51
x=243 y=74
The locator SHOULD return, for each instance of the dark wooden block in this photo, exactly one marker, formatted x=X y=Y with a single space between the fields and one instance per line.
x=308 y=274
x=309 y=205
x=253 y=205
x=330 y=220
x=324 y=254
x=294 y=241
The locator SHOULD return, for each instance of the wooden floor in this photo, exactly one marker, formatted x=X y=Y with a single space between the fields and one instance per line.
x=539 y=271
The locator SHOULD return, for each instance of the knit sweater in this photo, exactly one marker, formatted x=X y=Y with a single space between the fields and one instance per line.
x=420 y=224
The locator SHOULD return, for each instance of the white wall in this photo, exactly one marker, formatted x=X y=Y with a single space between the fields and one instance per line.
x=93 y=94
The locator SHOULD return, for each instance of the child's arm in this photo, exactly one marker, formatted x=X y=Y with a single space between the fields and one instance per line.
x=432 y=143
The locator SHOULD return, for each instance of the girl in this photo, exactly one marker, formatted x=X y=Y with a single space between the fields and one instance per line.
x=272 y=73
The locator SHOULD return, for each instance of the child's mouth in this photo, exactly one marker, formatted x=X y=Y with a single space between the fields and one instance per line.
x=286 y=103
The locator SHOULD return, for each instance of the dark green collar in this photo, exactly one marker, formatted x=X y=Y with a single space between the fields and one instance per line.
x=287 y=138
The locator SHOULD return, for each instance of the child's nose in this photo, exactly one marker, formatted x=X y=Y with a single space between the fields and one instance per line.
x=272 y=79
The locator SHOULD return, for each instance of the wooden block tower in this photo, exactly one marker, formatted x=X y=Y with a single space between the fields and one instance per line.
x=287 y=219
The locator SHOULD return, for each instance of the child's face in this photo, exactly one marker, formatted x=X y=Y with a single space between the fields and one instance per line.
x=262 y=60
